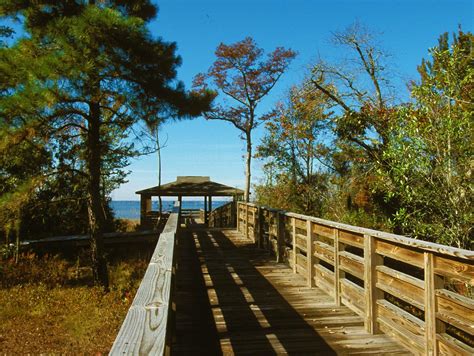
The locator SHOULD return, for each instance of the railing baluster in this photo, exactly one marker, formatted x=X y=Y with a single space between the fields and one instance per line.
x=371 y=260
x=280 y=236
x=432 y=325
x=259 y=227
x=237 y=212
x=246 y=221
x=293 y=239
x=309 y=254
x=338 y=273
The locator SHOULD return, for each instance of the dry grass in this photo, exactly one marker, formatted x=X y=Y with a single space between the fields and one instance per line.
x=126 y=225
x=48 y=306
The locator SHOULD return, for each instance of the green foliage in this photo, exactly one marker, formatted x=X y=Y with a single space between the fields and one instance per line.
x=405 y=168
x=296 y=147
x=430 y=151
x=81 y=78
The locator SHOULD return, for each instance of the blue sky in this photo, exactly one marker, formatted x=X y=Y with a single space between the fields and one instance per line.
x=213 y=148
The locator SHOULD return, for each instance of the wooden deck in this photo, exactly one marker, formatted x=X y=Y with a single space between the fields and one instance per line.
x=233 y=298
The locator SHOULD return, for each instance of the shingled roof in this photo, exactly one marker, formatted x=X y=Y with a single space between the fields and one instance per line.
x=192 y=186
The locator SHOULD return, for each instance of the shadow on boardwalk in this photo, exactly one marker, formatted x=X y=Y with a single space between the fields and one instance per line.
x=250 y=315
x=234 y=299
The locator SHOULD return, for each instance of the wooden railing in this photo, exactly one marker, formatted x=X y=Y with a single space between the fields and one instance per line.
x=148 y=326
x=223 y=216
x=190 y=214
x=418 y=292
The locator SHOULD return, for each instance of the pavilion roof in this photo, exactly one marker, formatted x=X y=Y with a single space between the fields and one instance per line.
x=191 y=186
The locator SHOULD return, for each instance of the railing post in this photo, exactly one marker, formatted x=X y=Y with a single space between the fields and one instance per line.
x=372 y=293
x=309 y=254
x=432 y=325
x=293 y=239
x=259 y=228
x=246 y=221
x=338 y=273
x=280 y=236
x=237 y=213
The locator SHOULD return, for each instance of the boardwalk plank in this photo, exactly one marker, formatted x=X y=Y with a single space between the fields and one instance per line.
x=233 y=298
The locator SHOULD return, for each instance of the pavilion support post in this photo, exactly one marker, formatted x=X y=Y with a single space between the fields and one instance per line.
x=205 y=210
x=209 y=209
x=145 y=208
x=180 y=201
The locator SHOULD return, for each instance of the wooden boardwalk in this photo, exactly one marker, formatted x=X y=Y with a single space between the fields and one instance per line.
x=233 y=298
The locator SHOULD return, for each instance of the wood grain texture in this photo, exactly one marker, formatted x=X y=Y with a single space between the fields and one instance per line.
x=393 y=322
x=338 y=273
x=146 y=329
x=324 y=279
x=371 y=293
x=323 y=230
x=455 y=309
x=401 y=285
x=300 y=224
x=309 y=255
x=324 y=252
x=399 y=253
x=448 y=345
x=454 y=269
x=431 y=347
x=293 y=242
x=353 y=296
x=352 y=264
x=406 y=322
x=351 y=239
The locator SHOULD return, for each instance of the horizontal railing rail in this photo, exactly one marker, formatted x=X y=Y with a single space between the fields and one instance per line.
x=149 y=323
x=223 y=216
x=418 y=292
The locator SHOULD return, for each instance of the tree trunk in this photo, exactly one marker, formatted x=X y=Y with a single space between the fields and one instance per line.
x=159 y=170
x=94 y=201
x=248 y=161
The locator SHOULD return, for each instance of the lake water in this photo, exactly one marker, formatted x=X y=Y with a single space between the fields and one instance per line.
x=130 y=209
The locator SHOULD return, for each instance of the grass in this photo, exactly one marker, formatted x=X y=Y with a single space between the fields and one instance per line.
x=48 y=304
x=126 y=225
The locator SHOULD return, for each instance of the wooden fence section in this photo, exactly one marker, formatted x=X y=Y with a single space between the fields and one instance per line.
x=224 y=216
x=148 y=326
x=419 y=293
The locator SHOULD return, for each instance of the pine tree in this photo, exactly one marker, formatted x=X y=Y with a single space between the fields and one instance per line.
x=89 y=70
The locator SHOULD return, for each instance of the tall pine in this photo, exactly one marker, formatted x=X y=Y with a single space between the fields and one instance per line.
x=88 y=70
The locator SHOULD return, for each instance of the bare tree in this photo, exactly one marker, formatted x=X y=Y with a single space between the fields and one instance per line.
x=359 y=88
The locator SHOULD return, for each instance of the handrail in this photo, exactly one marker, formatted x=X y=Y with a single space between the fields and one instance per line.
x=223 y=216
x=148 y=325
x=398 y=285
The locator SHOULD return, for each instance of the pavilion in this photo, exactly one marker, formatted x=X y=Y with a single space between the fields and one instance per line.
x=185 y=186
